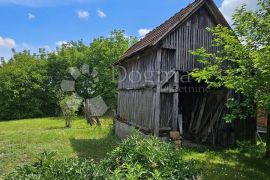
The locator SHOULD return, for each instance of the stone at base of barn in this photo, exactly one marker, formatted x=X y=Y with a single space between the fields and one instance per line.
x=122 y=130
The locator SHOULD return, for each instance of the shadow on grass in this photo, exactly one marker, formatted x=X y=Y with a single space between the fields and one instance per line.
x=94 y=148
x=220 y=163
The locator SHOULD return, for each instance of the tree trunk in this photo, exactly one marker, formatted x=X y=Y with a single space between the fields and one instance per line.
x=268 y=137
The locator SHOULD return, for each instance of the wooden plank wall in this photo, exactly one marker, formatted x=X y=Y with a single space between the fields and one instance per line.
x=166 y=110
x=145 y=65
x=190 y=36
x=168 y=64
x=135 y=107
x=136 y=99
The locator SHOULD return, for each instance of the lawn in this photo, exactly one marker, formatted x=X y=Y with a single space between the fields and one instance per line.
x=218 y=163
x=22 y=140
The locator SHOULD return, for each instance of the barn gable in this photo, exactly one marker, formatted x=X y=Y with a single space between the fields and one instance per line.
x=156 y=35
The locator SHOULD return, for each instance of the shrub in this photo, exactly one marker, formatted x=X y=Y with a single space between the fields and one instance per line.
x=135 y=158
x=48 y=167
x=146 y=158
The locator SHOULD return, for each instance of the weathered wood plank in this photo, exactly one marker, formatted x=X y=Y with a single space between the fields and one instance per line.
x=175 y=103
x=157 y=95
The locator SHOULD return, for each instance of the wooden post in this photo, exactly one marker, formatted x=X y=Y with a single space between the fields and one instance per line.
x=175 y=102
x=178 y=119
x=157 y=96
x=180 y=123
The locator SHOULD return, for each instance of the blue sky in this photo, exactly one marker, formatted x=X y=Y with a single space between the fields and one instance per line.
x=30 y=24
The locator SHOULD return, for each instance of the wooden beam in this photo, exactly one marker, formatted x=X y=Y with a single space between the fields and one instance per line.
x=199 y=120
x=137 y=88
x=175 y=102
x=165 y=81
x=157 y=95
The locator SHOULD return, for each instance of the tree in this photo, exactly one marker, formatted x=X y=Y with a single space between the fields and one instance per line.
x=22 y=87
x=30 y=84
x=243 y=62
x=102 y=53
x=99 y=56
x=69 y=106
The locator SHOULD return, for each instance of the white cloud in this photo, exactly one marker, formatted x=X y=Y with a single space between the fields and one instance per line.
x=228 y=7
x=7 y=42
x=60 y=43
x=101 y=14
x=143 y=31
x=31 y=16
x=83 y=14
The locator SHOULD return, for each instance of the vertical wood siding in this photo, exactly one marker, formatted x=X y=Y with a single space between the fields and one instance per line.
x=135 y=106
x=190 y=36
x=138 y=72
x=166 y=111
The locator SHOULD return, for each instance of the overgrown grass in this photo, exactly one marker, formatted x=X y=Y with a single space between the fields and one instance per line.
x=22 y=140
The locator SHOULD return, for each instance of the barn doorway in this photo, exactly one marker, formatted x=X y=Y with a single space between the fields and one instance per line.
x=201 y=111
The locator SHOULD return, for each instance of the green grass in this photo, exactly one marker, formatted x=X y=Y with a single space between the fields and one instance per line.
x=22 y=140
x=230 y=164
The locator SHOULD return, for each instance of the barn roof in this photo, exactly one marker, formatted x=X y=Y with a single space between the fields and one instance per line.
x=154 y=36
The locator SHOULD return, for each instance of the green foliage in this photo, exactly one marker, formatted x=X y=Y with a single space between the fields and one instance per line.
x=135 y=158
x=255 y=150
x=242 y=63
x=101 y=54
x=48 y=167
x=30 y=84
x=240 y=109
x=148 y=158
x=23 y=87
x=69 y=106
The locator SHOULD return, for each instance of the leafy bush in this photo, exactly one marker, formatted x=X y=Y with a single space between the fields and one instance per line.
x=255 y=150
x=146 y=158
x=135 y=158
x=48 y=167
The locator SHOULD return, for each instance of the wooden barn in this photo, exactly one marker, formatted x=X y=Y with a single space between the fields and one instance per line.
x=155 y=93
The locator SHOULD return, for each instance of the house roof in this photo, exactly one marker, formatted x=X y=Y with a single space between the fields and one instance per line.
x=154 y=36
